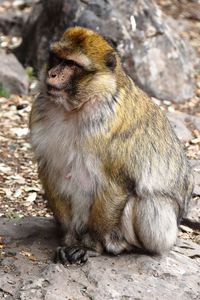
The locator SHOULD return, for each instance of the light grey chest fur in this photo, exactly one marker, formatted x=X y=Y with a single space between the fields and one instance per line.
x=72 y=170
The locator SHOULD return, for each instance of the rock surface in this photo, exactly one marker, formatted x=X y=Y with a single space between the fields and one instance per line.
x=177 y=121
x=12 y=75
x=153 y=53
x=194 y=206
x=10 y=23
x=27 y=272
x=196 y=166
x=177 y=116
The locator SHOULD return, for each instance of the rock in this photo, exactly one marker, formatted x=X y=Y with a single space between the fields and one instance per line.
x=194 y=211
x=177 y=121
x=157 y=52
x=13 y=15
x=11 y=23
x=153 y=53
x=45 y=24
x=186 y=118
x=196 y=121
x=197 y=184
x=195 y=163
x=27 y=272
x=196 y=166
x=12 y=75
x=193 y=216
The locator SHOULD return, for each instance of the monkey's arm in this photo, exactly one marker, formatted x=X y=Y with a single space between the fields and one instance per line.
x=70 y=249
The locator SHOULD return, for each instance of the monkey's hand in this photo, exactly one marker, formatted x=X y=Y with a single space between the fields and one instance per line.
x=70 y=255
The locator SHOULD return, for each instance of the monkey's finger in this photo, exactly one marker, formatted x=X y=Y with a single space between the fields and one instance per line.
x=77 y=254
x=84 y=258
x=60 y=255
x=70 y=251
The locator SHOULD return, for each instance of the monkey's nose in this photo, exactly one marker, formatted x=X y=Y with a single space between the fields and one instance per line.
x=52 y=74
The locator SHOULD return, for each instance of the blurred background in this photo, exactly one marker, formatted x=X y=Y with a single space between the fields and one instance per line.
x=159 y=42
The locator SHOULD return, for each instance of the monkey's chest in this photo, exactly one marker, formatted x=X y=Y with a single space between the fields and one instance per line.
x=70 y=169
x=76 y=179
x=67 y=163
x=78 y=174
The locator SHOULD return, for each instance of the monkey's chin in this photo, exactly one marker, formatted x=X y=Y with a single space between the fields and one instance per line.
x=54 y=93
x=61 y=101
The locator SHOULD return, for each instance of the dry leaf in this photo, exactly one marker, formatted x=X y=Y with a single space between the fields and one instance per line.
x=29 y=255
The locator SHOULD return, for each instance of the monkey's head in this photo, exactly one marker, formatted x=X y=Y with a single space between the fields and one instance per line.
x=82 y=67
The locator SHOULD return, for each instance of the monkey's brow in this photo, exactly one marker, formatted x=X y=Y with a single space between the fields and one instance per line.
x=50 y=50
x=52 y=54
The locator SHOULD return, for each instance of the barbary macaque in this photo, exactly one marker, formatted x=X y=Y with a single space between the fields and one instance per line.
x=114 y=172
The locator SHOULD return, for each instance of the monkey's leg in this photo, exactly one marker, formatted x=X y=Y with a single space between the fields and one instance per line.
x=105 y=220
x=76 y=244
x=70 y=250
x=155 y=223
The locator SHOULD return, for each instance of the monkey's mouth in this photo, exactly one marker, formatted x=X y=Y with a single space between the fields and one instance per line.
x=53 y=91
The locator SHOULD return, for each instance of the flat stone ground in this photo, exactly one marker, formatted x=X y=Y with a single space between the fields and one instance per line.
x=28 y=273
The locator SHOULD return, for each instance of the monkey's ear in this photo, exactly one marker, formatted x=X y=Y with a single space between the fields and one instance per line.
x=111 y=42
x=110 y=60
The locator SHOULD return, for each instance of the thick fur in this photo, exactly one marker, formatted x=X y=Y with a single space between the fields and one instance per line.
x=114 y=171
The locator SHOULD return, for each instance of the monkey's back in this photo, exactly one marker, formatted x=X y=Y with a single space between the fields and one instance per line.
x=147 y=151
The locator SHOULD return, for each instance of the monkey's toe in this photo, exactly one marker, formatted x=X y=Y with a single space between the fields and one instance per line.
x=70 y=254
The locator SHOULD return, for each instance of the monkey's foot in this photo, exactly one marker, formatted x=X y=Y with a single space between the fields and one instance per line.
x=70 y=255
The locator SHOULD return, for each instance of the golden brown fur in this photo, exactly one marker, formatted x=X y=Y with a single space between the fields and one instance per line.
x=114 y=171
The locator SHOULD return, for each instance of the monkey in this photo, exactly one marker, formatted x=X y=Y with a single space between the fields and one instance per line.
x=115 y=174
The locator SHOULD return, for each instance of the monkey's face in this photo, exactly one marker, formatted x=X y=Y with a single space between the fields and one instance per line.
x=82 y=67
x=62 y=78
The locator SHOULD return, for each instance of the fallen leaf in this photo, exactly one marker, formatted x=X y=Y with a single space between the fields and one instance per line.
x=20 y=131
x=4 y=168
x=29 y=255
x=32 y=197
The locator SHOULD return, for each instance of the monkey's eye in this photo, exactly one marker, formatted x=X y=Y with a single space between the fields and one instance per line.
x=53 y=59
x=72 y=64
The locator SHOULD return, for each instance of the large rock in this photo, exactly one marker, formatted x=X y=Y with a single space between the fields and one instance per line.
x=153 y=53
x=196 y=167
x=10 y=23
x=12 y=75
x=184 y=117
x=27 y=272
x=193 y=216
x=177 y=121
